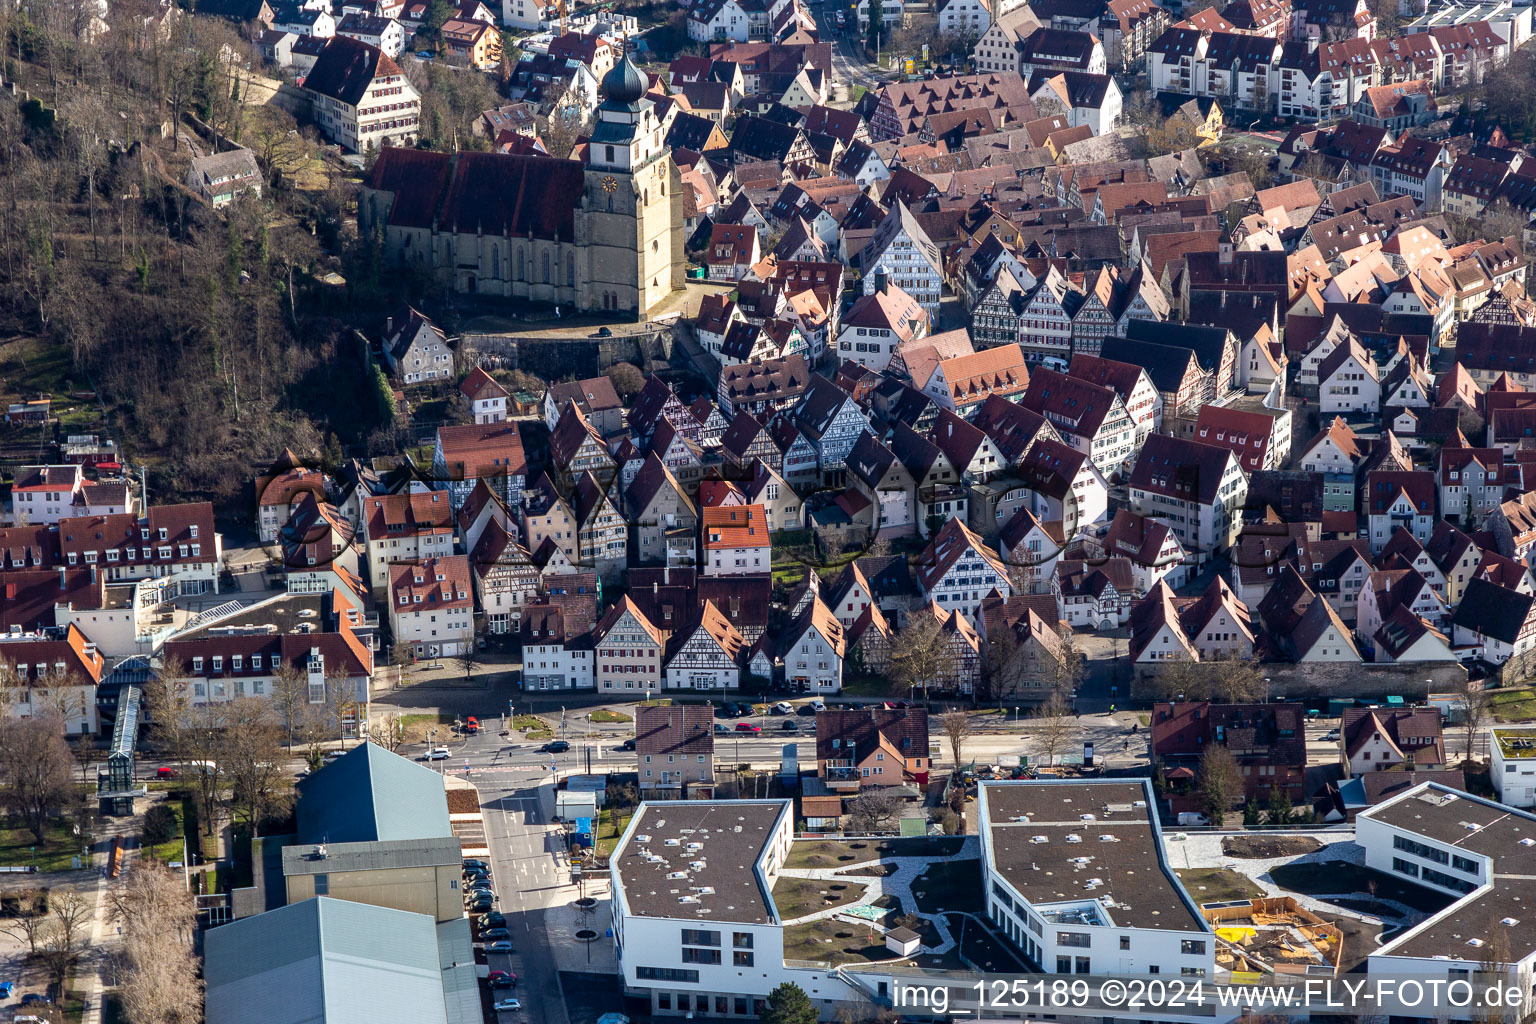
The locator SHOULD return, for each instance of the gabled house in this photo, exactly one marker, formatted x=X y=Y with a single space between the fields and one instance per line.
x=812 y=649
x=1088 y=417
x=675 y=751
x=1301 y=626
x=1199 y=487
x=627 y=651
x=1395 y=498
x=486 y=397
x=505 y=577
x=832 y=421
x=1376 y=739
x=734 y=540
x=664 y=517
x=872 y=747
x=601 y=532
x=415 y=349
x=557 y=652
x=1493 y=623
x=432 y=606
x=705 y=653
x=405 y=528
x=875 y=472
x=957 y=570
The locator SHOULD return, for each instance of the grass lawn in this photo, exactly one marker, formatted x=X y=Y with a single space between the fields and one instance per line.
x=832 y=853
x=1217 y=885
x=1511 y=705
x=1342 y=877
x=413 y=728
x=533 y=727
x=949 y=885
x=53 y=854
x=796 y=897
x=611 y=823
x=835 y=941
x=604 y=715
x=171 y=849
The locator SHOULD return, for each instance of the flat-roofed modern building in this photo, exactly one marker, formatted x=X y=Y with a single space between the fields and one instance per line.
x=1076 y=877
x=694 y=919
x=1512 y=767
x=1479 y=851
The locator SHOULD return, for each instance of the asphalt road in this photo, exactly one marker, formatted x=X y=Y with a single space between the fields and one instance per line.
x=848 y=65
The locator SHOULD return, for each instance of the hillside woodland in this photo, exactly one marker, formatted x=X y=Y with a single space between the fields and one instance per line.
x=213 y=338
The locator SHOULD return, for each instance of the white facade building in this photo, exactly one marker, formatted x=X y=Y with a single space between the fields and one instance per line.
x=1075 y=876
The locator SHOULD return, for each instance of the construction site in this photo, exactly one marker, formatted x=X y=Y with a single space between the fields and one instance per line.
x=1271 y=936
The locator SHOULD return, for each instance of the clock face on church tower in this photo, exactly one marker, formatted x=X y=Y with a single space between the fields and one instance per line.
x=610 y=185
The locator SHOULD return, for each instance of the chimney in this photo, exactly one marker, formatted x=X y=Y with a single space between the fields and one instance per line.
x=880 y=280
x=1225 y=253
x=62 y=585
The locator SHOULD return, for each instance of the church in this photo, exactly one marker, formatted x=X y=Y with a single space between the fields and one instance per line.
x=606 y=234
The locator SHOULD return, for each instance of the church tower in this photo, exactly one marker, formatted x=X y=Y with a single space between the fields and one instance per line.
x=632 y=212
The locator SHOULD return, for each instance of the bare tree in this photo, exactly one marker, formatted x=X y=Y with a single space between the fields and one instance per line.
x=389 y=732
x=918 y=653
x=37 y=767
x=874 y=810
x=26 y=929
x=168 y=697
x=1053 y=723
x=1219 y=781
x=250 y=759
x=64 y=933
x=1475 y=701
x=160 y=981
x=956 y=726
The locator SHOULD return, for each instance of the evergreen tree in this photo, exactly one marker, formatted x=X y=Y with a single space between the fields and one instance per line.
x=788 y=1004
x=1251 y=814
x=1279 y=806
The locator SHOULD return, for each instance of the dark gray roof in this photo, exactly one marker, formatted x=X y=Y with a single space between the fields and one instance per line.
x=733 y=836
x=1134 y=874
x=1492 y=610
x=371 y=795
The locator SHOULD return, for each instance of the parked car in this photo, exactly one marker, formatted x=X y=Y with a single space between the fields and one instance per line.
x=501 y=979
x=730 y=709
x=790 y=725
x=471 y=862
x=722 y=728
x=7 y=989
x=1330 y=735
x=628 y=744
x=481 y=904
x=491 y=934
x=471 y=725
x=506 y=1004
x=807 y=710
x=438 y=754
x=167 y=772
x=495 y=919
x=499 y=946
x=783 y=707
x=333 y=755
x=555 y=747
x=748 y=727
x=36 y=999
